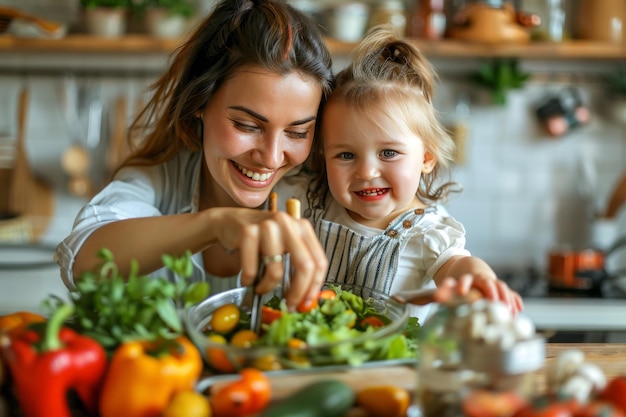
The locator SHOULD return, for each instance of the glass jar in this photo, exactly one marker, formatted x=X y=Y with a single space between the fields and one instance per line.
x=428 y=20
x=467 y=347
x=392 y=13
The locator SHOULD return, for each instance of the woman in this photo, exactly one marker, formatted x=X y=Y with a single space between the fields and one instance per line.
x=235 y=111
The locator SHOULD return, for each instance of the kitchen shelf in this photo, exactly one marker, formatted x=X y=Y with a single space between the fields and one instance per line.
x=144 y=44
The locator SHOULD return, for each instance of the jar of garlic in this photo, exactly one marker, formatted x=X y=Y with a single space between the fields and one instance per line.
x=467 y=346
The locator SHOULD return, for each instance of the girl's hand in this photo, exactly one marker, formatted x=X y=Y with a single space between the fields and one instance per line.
x=477 y=286
x=260 y=235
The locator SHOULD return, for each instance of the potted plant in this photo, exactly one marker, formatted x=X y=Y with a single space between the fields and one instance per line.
x=499 y=76
x=167 y=18
x=105 y=18
x=615 y=85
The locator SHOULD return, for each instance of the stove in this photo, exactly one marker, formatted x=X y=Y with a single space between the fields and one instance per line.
x=531 y=283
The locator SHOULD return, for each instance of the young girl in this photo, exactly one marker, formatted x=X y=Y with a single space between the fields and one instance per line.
x=375 y=210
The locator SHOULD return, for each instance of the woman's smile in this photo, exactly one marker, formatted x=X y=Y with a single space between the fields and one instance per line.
x=254 y=178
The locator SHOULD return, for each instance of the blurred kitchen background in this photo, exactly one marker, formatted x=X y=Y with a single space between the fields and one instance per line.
x=541 y=131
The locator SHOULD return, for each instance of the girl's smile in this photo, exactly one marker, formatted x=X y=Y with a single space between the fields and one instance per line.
x=372 y=194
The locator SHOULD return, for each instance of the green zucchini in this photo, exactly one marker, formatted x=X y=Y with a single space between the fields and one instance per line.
x=323 y=398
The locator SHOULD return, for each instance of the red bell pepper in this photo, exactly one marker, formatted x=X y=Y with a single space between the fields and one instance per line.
x=45 y=367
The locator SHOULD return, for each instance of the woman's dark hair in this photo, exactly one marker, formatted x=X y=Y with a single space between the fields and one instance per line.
x=236 y=33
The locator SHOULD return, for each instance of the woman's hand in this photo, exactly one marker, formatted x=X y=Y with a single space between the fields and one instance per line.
x=262 y=235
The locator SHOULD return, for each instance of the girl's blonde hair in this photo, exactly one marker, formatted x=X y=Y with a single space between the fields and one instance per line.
x=390 y=75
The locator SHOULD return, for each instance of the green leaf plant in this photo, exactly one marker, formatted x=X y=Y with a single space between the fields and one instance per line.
x=114 y=309
x=499 y=76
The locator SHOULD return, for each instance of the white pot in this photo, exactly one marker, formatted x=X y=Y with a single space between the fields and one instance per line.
x=347 y=21
x=106 y=22
x=161 y=24
x=28 y=275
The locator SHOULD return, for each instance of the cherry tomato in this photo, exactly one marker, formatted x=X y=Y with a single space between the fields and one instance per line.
x=296 y=350
x=384 y=400
x=232 y=400
x=217 y=357
x=327 y=294
x=371 y=321
x=248 y=395
x=269 y=314
x=244 y=338
x=615 y=392
x=267 y=363
x=188 y=404
x=307 y=305
x=485 y=403
x=259 y=385
x=225 y=318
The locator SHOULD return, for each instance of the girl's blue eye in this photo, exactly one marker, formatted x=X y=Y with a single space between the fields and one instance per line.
x=346 y=155
x=388 y=153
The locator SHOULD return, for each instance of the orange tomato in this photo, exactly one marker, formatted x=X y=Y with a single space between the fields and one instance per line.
x=485 y=403
x=225 y=318
x=327 y=294
x=371 y=321
x=307 y=305
x=384 y=401
x=259 y=385
x=248 y=395
x=232 y=400
x=244 y=338
x=296 y=350
x=615 y=392
x=217 y=357
x=269 y=314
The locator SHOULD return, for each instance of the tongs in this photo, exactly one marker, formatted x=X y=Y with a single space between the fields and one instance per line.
x=293 y=209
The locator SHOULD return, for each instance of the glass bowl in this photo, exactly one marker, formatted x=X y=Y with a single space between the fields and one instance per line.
x=225 y=358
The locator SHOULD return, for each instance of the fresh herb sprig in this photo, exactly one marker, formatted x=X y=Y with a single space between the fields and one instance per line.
x=114 y=309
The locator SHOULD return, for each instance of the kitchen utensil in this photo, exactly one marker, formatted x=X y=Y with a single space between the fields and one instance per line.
x=116 y=147
x=293 y=209
x=198 y=317
x=617 y=199
x=7 y=14
x=28 y=196
x=84 y=130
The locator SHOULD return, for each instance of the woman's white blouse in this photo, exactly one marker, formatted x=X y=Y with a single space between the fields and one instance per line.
x=170 y=188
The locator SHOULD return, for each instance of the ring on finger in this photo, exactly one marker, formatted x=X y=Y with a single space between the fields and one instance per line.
x=268 y=259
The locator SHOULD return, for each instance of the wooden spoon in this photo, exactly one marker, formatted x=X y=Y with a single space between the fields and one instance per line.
x=28 y=195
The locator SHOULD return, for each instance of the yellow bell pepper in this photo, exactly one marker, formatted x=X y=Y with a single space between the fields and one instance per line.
x=144 y=376
x=13 y=323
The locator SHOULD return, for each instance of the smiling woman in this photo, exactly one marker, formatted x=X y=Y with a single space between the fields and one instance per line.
x=235 y=111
